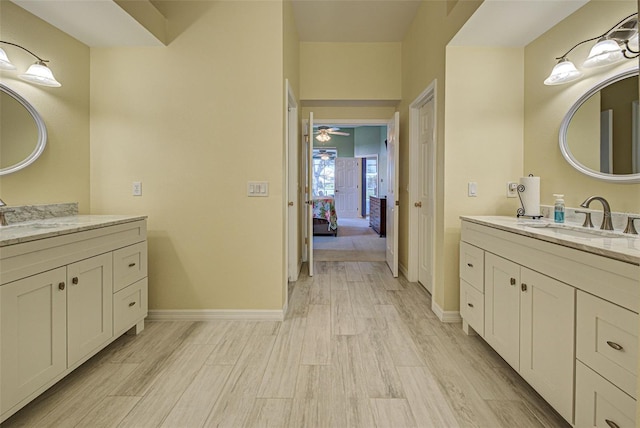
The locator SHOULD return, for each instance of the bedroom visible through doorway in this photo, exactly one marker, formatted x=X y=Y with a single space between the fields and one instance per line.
x=361 y=147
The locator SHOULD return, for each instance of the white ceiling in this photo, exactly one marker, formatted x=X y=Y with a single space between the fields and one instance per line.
x=496 y=22
x=93 y=22
x=353 y=20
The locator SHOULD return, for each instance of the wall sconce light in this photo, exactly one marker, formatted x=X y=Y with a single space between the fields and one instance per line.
x=37 y=73
x=617 y=44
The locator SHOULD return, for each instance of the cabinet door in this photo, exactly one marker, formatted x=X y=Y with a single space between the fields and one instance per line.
x=547 y=353
x=502 y=307
x=89 y=305
x=33 y=329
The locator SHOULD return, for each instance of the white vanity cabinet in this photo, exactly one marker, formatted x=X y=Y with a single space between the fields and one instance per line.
x=529 y=321
x=58 y=306
x=550 y=311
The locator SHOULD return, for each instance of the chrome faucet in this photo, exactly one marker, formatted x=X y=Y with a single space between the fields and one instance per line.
x=606 y=217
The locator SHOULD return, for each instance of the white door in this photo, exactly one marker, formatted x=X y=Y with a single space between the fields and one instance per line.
x=309 y=192
x=292 y=187
x=347 y=196
x=393 y=205
x=426 y=197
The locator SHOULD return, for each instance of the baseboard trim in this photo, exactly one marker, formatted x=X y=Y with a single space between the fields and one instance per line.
x=445 y=316
x=403 y=270
x=215 y=314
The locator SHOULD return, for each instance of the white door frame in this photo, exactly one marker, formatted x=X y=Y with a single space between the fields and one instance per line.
x=292 y=239
x=414 y=177
x=342 y=122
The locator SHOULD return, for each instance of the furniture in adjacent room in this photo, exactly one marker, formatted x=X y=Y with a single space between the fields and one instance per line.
x=378 y=215
x=325 y=219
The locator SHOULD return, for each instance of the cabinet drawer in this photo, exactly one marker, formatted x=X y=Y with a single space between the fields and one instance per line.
x=472 y=307
x=607 y=340
x=599 y=403
x=129 y=265
x=472 y=265
x=129 y=306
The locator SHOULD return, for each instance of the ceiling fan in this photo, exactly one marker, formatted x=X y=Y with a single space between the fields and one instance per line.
x=323 y=134
x=324 y=154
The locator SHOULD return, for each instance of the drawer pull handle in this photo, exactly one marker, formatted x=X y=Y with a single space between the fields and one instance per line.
x=61 y=286
x=614 y=345
x=470 y=265
x=132 y=303
x=611 y=423
x=132 y=264
x=513 y=281
x=74 y=280
x=470 y=305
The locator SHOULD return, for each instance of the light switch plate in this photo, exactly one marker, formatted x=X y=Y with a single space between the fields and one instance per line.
x=472 y=189
x=136 y=188
x=258 y=188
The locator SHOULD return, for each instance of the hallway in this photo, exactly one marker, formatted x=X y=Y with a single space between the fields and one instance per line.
x=357 y=348
x=356 y=241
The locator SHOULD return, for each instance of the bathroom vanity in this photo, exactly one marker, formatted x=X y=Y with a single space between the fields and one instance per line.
x=69 y=286
x=561 y=307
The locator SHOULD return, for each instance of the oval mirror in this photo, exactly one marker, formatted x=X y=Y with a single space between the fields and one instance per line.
x=23 y=135
x=600 y=135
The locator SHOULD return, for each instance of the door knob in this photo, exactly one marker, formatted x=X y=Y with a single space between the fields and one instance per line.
x=418 y=204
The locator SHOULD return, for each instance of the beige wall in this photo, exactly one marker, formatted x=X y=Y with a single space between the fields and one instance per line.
x=484 y=119
x=545 y=106
x=423 y=60
x=61 y=174
x=350 y=71
x=194 y=122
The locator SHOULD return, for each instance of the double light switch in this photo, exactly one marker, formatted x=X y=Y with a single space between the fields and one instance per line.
x=258 y=188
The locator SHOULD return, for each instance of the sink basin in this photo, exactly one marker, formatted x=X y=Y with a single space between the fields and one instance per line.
x=578 y=232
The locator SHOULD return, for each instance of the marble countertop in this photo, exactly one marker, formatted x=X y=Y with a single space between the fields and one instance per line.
x=46 y=228
x=616 y=245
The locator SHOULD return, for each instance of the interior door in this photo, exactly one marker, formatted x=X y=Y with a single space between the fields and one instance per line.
x=393 y=204
x=309 y=192
x=347 y=196
x=426 y=199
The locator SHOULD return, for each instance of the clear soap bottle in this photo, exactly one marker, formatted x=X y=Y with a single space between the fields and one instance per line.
x=558 y=209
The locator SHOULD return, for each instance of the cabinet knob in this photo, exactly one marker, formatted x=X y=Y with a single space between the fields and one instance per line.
x=132 y=303
x=470 y=305
x=418 y=204
x=523 y=286
x=611 y=423
x=132 y=264
x=513 y=281
x=290 y=203
x=61 y=286
x=74 y=280
x=470 y=265
x=614 y=345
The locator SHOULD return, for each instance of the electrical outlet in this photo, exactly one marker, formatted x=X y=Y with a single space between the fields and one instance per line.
x=472 y=189
x=512 y=191
x=136 y=188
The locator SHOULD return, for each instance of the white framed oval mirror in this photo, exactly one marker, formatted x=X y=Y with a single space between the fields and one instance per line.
x=23 y=134
x=600 y=135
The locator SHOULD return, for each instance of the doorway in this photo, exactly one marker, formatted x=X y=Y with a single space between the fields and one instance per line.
x=422 y=177
x=355 y=240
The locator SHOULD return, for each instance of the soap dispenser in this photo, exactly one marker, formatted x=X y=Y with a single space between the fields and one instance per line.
x=558 y=209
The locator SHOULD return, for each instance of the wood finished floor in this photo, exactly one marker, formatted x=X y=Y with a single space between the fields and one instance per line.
x=358 y=348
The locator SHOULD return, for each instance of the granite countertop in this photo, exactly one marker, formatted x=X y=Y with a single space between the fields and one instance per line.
x=623 y=247
x=46 y=228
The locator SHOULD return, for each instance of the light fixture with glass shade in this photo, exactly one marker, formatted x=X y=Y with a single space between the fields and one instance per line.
x=37 y=73
x=617 y=44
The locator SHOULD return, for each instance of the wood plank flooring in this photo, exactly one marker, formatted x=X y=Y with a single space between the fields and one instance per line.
x=358 y=348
